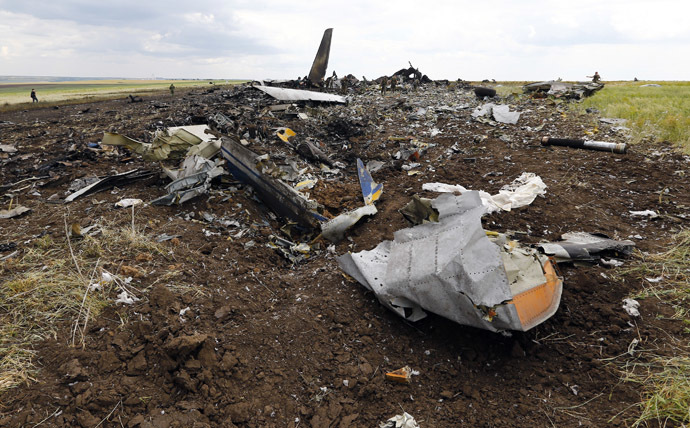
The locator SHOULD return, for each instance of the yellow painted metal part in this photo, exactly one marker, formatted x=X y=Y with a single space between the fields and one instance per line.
x=286 y=134
x=538 y=301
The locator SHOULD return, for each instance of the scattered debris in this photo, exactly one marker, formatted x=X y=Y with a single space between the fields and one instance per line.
x=501 y=113
x=110 y=182
x=521 y=192
x=14 y=212
x=586 y=247
x=401 y=375
x=193 y=180
x=400 y=421
x=334 y=230
x=280 y=197
x=7 y=148
x=584 y=144
x=632 y=307
x=481 y=92
x=128 y=202
x=645 y=213
x=126 y=298
x=562 y=89
x=172 y=143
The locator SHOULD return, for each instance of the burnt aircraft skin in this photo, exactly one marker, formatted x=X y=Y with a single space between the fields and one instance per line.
x=318 y=68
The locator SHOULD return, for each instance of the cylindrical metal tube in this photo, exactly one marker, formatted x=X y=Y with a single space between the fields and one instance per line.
x=583 y=144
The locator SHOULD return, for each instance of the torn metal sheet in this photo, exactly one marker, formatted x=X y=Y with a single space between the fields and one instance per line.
x=521 y=192
x=7 y=148
x=189 y=186
x=279 y=196
x=110 y=182
x=14 y=212
x=501 y=113
x=191 y=165
x=451 y=268
x=285 y=94
x=320 y=64
x=205 y=149
x=419 y=211
x=172 y=143
x=334 y=230
x=371 y=191
x=198 y=131
x=567 y=90
x=586 y=247
x=285 y=134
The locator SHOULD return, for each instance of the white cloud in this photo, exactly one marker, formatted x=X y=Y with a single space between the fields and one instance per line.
x=275 y=39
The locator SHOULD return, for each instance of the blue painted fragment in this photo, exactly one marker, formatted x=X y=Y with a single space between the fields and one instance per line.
x=371 y=191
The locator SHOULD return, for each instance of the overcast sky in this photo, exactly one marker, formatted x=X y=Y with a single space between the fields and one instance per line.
x=471 y=40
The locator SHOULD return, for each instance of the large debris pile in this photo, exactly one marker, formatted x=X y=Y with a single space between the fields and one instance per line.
x=275 y=189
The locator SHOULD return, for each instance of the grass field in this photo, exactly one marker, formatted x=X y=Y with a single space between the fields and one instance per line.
x=12 y=94
x=655 y=114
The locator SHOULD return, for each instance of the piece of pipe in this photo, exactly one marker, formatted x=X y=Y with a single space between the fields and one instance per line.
x=583 y=144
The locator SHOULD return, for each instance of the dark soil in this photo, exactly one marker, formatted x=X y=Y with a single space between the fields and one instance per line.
x=269 y=344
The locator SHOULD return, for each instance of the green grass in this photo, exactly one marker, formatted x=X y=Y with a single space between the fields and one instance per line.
x=665 y=387
x=664 y=380
x=654 y=114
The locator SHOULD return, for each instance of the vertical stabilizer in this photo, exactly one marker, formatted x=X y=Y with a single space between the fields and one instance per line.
x=318 y=68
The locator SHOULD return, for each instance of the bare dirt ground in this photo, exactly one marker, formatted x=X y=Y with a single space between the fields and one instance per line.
x=269 y=344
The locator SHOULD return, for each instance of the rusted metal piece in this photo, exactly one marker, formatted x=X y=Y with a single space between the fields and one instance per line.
x=318 y=68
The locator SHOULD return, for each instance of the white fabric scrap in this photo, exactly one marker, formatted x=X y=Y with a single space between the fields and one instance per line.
x=631 y=306
x=128 y=202
x=126 y=298
x=521 y=192
x=646 y=213
x=405 y=420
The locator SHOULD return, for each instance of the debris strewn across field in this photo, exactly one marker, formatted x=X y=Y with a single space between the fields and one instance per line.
x=223 y=303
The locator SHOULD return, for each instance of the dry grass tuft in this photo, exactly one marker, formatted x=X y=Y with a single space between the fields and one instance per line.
x=56 y=281
x=664 y=380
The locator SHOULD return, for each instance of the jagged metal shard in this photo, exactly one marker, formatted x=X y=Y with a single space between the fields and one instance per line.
x=318 y=68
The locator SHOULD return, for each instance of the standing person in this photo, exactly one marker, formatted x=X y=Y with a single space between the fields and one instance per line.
x=384 y=83
x=172 y=89
x=596 y=78
x=394 y=83
x=34 y=99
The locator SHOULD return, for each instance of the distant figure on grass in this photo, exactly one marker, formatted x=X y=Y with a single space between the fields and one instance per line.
x=34 y=99
x=596 y=78
x=172 y=89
